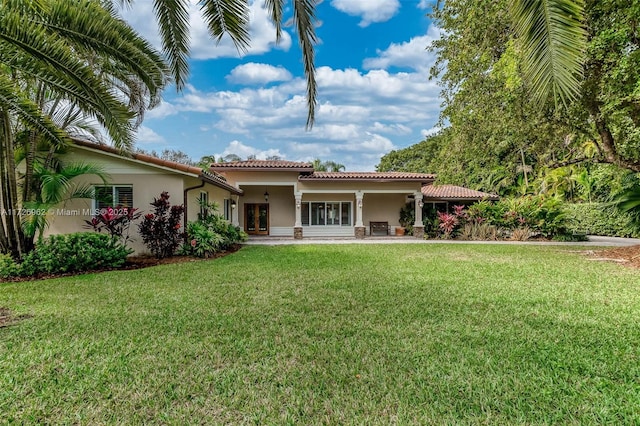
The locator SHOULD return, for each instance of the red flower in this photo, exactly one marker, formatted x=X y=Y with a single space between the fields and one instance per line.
x=193 y=243
x=177 y=226
x=148 y=216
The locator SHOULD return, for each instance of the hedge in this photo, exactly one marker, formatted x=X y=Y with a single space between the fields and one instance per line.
x=600 y=219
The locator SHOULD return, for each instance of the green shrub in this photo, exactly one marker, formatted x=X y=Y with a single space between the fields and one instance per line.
x=77 y=252
x=599 y=219
x=8 y=266
x=211 y=233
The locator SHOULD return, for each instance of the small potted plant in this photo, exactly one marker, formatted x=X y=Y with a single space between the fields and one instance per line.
x=407 y=217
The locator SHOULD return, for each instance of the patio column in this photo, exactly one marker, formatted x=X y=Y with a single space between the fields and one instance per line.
x=359 y=228
x=297 y=227
x=418 y=225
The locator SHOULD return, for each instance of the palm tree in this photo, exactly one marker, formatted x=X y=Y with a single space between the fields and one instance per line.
x=553 y=39
x=231 y=17
x=56 y=187
x=81 y=53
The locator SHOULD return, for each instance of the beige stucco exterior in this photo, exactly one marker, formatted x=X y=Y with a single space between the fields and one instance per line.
x=147 y=181
x=381 y=201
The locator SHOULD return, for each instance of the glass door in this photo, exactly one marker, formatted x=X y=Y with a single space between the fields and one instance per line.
x=256 y=219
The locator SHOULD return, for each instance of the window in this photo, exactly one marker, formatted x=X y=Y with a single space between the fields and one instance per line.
x=227 y=209
x=326 y=213
x=203 y=200
x=113 y=196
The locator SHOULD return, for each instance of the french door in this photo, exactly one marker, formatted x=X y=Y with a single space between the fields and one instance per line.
x=256 y=219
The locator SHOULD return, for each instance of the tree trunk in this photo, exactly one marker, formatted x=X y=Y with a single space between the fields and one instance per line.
x=11 y=222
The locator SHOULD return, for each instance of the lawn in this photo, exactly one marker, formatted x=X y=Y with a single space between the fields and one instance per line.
x=344 y=334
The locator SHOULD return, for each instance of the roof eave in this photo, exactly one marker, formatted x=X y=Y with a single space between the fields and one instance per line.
x=260 y=169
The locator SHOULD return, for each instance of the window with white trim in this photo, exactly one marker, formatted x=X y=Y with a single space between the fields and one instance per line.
x=112 y=196
x=326 y=213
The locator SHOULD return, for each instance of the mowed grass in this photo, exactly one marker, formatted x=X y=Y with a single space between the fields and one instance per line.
x=342 y=334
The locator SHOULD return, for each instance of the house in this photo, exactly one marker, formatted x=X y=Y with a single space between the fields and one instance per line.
x=441 y=197
x=134 y=180
x=262 y=197
x=285 y=198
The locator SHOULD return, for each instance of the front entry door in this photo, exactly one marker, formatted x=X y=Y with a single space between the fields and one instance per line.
x=256 y=219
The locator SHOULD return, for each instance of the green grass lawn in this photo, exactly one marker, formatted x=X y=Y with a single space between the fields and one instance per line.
x=344 y=334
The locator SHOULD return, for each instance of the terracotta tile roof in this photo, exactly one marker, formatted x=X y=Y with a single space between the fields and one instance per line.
x=452 y=192
x=207 y=176
x=258 y=165
x=370 y=176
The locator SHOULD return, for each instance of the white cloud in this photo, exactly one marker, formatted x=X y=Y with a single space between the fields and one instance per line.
x=425 y=4
x=163 y=110
x=146 y=135
x=392 y=128
x=244 y=151
x=254 y=73
x=262 y=31
x=430 y=132
x=370 y=11
x=412 y=54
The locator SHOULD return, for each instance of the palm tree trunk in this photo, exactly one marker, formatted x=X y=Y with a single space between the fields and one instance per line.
x=11 y=222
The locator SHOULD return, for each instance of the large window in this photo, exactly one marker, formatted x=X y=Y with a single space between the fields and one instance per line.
x=113 y=196
x=326 y=213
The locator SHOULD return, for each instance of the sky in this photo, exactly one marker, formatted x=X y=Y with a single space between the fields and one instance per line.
x=374 y=91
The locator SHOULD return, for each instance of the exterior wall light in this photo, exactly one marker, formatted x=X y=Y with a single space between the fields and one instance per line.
x=266 y=196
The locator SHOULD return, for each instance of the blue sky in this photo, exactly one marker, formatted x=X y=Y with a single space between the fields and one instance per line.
x=374 y=90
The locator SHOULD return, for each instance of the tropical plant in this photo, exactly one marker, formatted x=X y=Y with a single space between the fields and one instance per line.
x=327 y=166
x=231 y=17
x=211 y=233
x=55 y=187
x=447 y=224
x=629 y=202
x=75 y=53
x=553 y=39
x=160 y=230
x=115 y=221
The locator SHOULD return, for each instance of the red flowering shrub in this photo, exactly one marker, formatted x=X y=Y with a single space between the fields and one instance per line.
x=448 y=223
x=160 y=230
x=116 y=221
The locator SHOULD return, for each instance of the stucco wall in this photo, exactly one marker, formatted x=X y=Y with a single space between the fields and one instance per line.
x=281 y=204
x=147 y=181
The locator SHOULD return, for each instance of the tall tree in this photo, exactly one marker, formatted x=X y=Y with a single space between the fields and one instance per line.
x=488 y=95
x=80 y=53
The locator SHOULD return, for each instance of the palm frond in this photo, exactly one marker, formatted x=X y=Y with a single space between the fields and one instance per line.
x=304 y=17
x=29 y=113
x=275 y=9
x=229 y=17
x=553 y=39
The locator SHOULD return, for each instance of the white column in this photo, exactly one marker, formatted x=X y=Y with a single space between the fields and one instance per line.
x=418 y=201
x=298 y=196
x=359 y=196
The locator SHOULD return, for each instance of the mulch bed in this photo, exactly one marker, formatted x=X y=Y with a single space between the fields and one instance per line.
x=627 y=256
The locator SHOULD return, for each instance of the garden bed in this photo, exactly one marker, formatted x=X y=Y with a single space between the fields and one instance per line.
x=133 y=262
